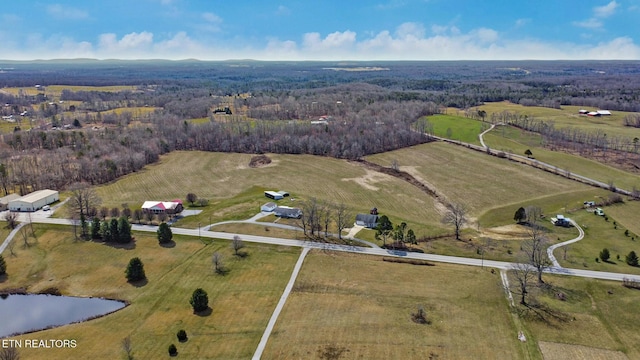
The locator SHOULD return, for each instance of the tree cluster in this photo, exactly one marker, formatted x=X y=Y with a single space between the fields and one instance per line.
x=114 y=230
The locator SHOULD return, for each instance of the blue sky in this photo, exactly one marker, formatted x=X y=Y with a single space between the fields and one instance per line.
x=320 y=29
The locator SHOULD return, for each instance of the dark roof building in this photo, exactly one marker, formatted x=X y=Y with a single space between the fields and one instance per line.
x=367 y=220
x=287 y=212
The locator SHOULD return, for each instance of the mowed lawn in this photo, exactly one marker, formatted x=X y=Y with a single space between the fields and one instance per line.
x=241 y=301
x=235 y=190
x=479 y=181
x=362 y=305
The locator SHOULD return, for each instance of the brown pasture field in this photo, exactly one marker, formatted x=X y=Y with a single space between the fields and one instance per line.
x=479 y=181
x=363 y=305
x=599 y=316
x=556 y=351
x=241 y=301
x=235 y=191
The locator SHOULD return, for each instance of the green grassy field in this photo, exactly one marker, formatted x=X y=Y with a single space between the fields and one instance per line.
x=235 y=191
x=568 y=117
x=363 y=305
x=517 y=142
x=457 y=128
x=242 y=300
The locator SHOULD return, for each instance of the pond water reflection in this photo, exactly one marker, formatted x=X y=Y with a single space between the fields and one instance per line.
x=26 y=313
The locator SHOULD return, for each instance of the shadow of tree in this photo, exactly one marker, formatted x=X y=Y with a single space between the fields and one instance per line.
x=168 y=245
x=139 y=283
x=205 y=312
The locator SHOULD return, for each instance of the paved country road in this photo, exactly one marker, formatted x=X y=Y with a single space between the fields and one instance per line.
x=362 y=250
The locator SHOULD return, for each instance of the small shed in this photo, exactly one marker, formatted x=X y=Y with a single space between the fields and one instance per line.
x=4 y=201
x=367 y=220
x=268 y=207
x=287 y=212
x=34 y=201
x=273 y=195
x=604 y=112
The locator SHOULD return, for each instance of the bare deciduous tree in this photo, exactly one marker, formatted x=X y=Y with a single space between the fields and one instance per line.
x=127 y=347
x=237 y=244
x=455 y=216
x=523 y=273
x=216 y=259
x=533 y=213
x=83 y=199
x=12 y=219
x=343 y=218
x=535 y=250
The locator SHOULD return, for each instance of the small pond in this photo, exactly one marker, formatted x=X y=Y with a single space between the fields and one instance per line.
x=32 y=312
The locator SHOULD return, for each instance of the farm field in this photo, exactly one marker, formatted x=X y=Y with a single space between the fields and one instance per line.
x=457 y=127
x=568 y=117
x=511 y=140
x=235 y=191
x=363 y=306
x=595 y=318
x=479 y=181
x=242 y=300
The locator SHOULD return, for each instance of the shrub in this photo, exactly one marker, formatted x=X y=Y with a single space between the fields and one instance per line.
x=3 y=266
x=135 y=270
x=199 y=300
x=182 y=335
x=420 y=316
x=165 y=235
x=173 y=350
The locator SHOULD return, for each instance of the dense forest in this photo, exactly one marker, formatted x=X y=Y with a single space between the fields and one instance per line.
x=343 y=110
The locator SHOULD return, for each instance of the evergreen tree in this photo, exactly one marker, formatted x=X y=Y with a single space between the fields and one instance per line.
x=135 y=270
x=411 y=237
x=165 y=235
x=124 y=231
x=199 y=300
x=384 y=228
x=632 y=258
x=520 y=215
x=105 y=232
x=113 y=228
x=605 y=255
x=95 y=228
x=3 y=266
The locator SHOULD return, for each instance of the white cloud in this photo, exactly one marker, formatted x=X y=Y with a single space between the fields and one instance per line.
x=410 y=29
x=283 y=11
x=406 y=42
x=391 y=4
x=335 y=41
x=66 y=12
x=212 y=18
x=522 y=22
x=592 y=23
x=606 y=10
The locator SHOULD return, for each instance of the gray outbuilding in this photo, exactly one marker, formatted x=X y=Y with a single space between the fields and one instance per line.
x=34 y=201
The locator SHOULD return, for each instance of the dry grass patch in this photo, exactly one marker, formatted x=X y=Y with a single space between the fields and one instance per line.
x=473 y=178
x=260 y=230
x=226 y=179
x=555 y=351
x=363 y=305
x=241 y=301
